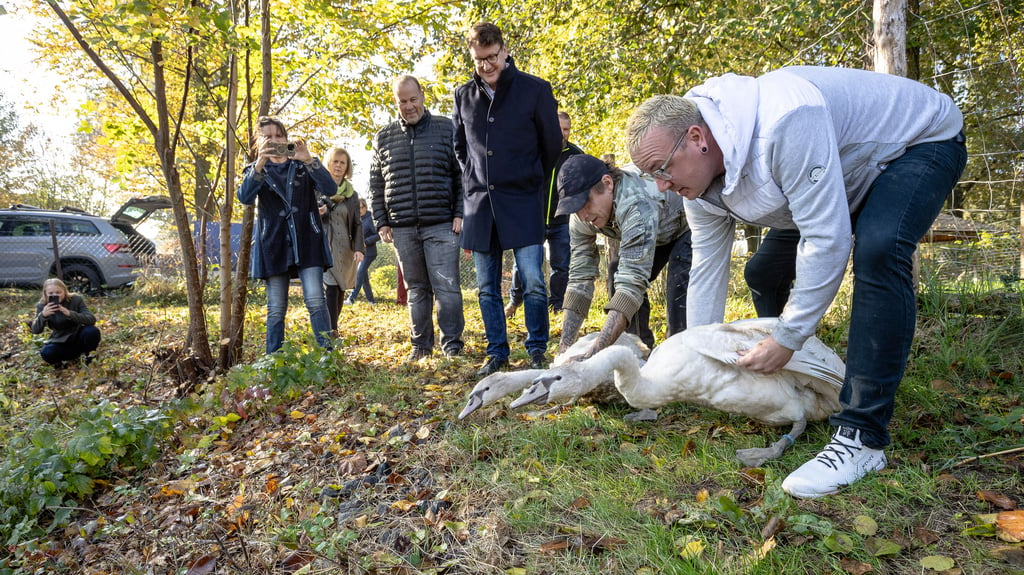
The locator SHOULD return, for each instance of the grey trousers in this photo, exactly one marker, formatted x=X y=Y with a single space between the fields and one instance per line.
x=429 y=256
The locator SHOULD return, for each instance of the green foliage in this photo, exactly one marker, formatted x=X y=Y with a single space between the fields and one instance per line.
x=290 y=372
x=384 y=277
x=50 y=468
x=319 y=532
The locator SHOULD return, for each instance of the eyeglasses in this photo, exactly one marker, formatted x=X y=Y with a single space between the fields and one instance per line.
x=492 y=59
x=660 y=173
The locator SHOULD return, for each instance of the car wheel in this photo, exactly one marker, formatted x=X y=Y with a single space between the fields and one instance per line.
x=81 y=278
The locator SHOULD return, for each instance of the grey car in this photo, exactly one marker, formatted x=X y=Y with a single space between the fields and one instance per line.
x=93 y=253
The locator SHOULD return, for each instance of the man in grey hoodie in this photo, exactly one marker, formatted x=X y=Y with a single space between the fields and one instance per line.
x=831 y=153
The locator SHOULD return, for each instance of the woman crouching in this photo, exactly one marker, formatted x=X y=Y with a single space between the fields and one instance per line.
x=73 y=326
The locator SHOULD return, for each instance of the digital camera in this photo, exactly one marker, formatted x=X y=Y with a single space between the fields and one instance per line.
x=286 y=149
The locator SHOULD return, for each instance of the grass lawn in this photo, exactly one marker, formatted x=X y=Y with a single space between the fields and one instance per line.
x=354 y=462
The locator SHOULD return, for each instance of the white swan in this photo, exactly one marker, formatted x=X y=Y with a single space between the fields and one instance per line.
x=497 y=385
x=698 y=366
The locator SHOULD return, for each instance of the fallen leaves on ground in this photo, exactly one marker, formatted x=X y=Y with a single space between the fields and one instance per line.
x=997 y=499
x=591 y=543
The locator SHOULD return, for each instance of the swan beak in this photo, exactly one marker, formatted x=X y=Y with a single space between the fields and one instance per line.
x=536 y=393
x=475 y=403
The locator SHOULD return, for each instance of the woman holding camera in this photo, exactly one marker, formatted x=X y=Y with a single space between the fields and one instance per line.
x=74 y=332
x=345 y=233
x=289 y=240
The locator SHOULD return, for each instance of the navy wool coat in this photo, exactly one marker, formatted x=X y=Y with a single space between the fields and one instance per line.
x=289 y=234
x=506 y=148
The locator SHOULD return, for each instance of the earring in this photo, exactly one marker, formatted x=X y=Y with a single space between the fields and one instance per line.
x=703 y=149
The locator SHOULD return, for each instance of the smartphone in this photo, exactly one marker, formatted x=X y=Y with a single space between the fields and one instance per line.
x=54 y=299
x=286 y=149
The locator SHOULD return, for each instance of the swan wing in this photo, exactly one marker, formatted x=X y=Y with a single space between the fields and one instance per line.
x=818 y=361
x=720 y=342
x=724 y=341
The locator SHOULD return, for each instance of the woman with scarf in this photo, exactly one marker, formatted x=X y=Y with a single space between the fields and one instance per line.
x=344 y=233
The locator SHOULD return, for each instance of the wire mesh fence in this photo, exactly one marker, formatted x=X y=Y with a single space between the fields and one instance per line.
x=88 y=252
x=976 y=239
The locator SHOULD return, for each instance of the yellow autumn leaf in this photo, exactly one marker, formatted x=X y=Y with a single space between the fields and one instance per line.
x=296 y=414
x=937 y=563
x=404 y=505
x=865 y=525
x=166 y=491
x=689 y=548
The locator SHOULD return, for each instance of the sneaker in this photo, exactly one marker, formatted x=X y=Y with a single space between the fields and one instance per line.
x=842 y=462
x=453 y=351
x=538 y=361
x=510 y=310
x=418 y=354
x=494 y=363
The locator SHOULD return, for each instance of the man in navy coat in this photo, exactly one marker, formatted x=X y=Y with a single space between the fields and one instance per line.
x=507 y=138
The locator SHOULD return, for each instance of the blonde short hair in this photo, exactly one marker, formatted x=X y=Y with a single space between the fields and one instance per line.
x=329 y=159
x=673 y=113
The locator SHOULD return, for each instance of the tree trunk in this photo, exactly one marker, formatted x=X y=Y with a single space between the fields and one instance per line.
x=228 y=336
x=198 y=337
x=890 y=34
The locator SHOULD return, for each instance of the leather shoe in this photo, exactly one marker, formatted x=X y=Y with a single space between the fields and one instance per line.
x=538 y=361
x=418 y=354
x=494 y=363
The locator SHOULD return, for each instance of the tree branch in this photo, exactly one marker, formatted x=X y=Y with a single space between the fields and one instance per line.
x=124 y=91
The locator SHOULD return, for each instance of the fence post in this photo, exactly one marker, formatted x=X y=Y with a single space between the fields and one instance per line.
x=56 y=249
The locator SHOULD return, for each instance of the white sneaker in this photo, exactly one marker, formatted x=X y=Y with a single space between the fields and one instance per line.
x=842 y=462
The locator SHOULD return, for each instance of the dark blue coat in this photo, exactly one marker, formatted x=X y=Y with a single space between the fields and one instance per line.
x=289 y=234
x=370 y=237
x=506 y=148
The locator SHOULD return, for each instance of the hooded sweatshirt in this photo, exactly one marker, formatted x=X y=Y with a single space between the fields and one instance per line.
x=801 y=146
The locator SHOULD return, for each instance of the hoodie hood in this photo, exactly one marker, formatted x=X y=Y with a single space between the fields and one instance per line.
x=728 y=105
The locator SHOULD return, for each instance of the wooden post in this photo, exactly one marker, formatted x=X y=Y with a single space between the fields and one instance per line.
x=890 y=35
x=890 y=57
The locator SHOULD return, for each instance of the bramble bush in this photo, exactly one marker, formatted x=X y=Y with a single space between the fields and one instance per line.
x=52 y=467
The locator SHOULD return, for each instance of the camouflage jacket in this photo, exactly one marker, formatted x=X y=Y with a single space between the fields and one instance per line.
x=642 y=219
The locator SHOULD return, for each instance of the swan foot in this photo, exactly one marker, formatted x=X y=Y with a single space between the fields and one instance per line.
x=642 y=415
x=755 y=457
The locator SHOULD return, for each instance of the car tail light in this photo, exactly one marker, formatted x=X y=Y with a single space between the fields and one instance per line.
x=114 y=248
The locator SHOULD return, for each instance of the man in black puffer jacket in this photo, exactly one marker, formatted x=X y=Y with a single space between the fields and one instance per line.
x=416 y=193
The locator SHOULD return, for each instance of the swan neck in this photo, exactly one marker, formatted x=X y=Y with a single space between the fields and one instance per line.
x=625 y=367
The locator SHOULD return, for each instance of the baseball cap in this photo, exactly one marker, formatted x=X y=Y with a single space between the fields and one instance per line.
x=577 y=175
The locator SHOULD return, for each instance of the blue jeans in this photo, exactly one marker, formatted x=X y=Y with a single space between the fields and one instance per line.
x=84 y=342
x=529 y=260
x=313 y=294
x=429 y=259
x=558 y=260
x=901 y=205
x=363 y=277
x=771 y=270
